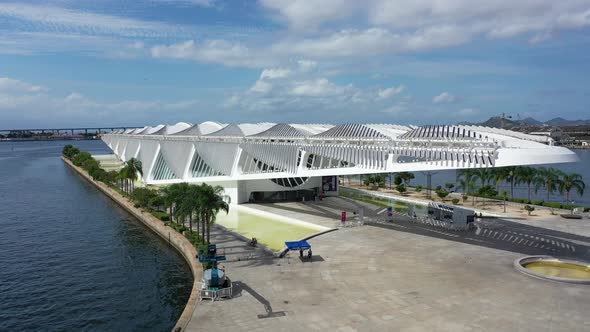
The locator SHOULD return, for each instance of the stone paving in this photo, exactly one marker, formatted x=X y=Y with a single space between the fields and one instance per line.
x=373 y=278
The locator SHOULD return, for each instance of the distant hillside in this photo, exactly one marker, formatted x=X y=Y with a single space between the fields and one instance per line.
x=499 y=122
x=564 y=122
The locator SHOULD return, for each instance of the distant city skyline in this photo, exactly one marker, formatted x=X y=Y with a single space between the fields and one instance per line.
x=95 y=63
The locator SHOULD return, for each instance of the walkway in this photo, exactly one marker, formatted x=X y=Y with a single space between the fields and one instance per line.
x=373 y=278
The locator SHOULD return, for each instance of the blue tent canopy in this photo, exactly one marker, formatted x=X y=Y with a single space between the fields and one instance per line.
x=298 y=245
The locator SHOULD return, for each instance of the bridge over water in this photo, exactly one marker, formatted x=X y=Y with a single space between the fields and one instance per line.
x=71 y=130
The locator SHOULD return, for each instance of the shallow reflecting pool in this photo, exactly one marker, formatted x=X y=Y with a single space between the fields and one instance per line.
x=560 y=269
x=272 y=232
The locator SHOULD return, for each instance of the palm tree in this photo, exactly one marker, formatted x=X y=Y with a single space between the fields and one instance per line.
x=527 y=176
x=510 y=176
x=122 y=176
x=466 y=179
x=572 y=181
x=548 y=178
x=134 y=168
x=173 y=196
x=211 y=201
x=483 y=174
x=498 y=174
x=189 y=204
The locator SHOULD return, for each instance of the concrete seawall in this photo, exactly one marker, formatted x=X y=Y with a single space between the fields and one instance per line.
x=178 y=241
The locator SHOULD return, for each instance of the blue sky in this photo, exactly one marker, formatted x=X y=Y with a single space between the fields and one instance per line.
x=87 y=63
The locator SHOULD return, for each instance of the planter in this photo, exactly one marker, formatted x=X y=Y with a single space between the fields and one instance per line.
x=571 y=216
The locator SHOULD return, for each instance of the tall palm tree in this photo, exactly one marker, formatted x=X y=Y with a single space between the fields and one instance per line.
x=572 y=181
x=189 y=204
x=549 y=178
x=212 y=200
x=466 y=179
x=527 y=176
x=483 y=174
x=173 y=196
x=498 y=175
x=134 y=168
x=122 y=176
x=510 y=176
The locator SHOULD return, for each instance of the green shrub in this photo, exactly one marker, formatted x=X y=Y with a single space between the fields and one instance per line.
x=487 y=191
x=418 y=189
x=442 y=193
x=161 y=215
x=401 y=188
x=143 y=196
x=193 y=237
x=455 y=201
x=178 y=227
x=529 y=209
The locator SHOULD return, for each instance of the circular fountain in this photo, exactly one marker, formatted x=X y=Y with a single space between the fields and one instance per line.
x=551 y=268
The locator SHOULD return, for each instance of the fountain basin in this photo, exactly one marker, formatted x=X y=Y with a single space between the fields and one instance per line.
x=556 y=269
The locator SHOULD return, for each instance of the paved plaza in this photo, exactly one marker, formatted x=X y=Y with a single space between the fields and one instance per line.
x=403 y=277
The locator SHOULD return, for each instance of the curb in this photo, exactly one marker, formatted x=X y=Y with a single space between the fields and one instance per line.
x=177 y=240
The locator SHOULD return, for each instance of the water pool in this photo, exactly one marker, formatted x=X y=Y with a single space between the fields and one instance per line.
x=271 y=232
x=559 y=269
x=552 y=268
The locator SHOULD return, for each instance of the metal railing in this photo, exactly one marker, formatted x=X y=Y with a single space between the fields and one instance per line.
x=216 y=294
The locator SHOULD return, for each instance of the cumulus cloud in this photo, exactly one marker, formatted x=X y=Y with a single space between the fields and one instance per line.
x=307 y=65
x=444 y=97
x=307 y=91
x=320 y=87
x=9 y=85
x=261 y=87
x=305 y=15
x=274 y=73
x=211 y=51
x=410 y=26
x=390 y=92
x=24 y=102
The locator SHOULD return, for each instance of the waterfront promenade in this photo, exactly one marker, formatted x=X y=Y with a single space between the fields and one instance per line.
x=408 y=277
x=374 y=278
x=175 y=239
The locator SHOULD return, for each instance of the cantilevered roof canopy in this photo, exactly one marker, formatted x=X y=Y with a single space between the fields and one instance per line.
x=351 y=131
x=241 y=130
x=283 y=130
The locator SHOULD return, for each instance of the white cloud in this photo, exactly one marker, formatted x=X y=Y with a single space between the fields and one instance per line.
x=211 y=51
x=306 y=92
x=274 y=73
x=444 y=97
x=200 y=3
x=68 y=21
x=390 y=92
x=261 y=87
x=306 y=15
x=411 y=26
x=320 y=87
x=307 y=65
x=9 y=85
x=23 y=102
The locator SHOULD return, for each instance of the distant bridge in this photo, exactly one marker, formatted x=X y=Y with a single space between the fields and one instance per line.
x=98 y=130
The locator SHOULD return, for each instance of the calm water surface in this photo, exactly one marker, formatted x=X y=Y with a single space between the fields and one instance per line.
x=71 y=259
